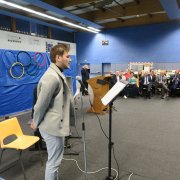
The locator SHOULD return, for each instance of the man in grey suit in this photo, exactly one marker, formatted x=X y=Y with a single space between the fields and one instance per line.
x=54 y=108
x=162 y=82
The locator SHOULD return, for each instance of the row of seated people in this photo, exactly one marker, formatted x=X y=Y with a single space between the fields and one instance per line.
x=149 y=84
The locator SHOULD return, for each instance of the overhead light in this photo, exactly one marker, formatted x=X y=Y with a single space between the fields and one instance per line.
x=94 y=29
x=90 y=29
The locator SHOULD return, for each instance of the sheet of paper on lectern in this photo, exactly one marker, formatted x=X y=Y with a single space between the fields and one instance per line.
x=113 y=92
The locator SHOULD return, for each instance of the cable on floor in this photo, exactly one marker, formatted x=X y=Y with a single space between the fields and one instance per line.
x=91 y=172
x=130 y=176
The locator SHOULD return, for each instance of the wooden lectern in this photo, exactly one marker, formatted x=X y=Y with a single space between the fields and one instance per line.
x=100 y=86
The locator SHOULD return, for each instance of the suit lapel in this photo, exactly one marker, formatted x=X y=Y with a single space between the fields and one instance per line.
x=61 y=75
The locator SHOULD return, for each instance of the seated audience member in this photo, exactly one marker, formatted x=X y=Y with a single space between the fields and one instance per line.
x=132 y=80
x=132 y=89
x=127 y=74
x=122 y=75
x=115 y=77
x=139 y=77
x=162 y=82
x=153 y=81
x=174 y=82
x=146 y=84
x=124 y=91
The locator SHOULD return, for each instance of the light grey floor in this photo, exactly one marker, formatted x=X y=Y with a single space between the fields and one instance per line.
x=146 y=136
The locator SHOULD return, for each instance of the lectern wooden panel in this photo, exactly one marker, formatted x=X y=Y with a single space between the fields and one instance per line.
x=99 y=90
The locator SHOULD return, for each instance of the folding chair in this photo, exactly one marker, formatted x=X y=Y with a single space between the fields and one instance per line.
x=11 y=127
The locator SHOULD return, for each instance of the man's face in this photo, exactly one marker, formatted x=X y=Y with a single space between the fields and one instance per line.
x=64 y=61
x=117 y=73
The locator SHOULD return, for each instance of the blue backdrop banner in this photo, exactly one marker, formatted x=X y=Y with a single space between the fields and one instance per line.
x=13 y=73
x=20 y=72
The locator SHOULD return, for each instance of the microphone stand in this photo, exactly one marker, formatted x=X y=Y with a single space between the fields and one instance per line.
x=84 y=142
x=110 y=145
x=111 y=95
x=73 y=137
x=84 y=139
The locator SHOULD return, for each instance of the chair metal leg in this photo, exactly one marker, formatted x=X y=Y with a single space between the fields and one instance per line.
x=22 y=166
x=39 y=149
x=1 y=155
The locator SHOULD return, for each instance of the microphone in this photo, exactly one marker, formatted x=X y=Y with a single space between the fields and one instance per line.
x=101 y=81
x=78 y=86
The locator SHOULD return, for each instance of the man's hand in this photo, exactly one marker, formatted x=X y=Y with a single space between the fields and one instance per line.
x=32 y=125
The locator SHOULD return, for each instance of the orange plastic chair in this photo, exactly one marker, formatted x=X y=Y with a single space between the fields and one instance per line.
x=12 y=127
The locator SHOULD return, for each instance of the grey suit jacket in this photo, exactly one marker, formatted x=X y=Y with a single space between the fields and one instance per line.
x=54 y=104
x=158 y=79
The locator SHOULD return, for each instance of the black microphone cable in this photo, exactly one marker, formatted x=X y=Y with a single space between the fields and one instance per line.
x=105 y=135
x=98 y=119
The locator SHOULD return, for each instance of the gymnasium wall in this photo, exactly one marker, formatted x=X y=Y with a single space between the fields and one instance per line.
x=158 y=43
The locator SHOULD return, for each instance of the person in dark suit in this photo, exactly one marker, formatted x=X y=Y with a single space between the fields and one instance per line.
x=85 y=76
x=146 y=82
x=153 y=81
x=174 y=83
x=115 y=77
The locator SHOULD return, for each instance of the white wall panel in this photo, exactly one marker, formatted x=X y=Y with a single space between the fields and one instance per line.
x=15 y=41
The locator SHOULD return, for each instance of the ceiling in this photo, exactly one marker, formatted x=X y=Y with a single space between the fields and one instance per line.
x=100 y=14
x=117 y=13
